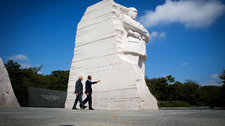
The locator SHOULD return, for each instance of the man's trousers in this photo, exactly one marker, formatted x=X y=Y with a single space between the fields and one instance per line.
x=89 y=100
x=78 y=98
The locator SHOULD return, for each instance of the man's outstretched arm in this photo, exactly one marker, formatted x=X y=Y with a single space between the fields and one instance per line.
x=95 y=82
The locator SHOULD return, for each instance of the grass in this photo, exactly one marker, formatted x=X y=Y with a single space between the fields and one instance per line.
x=174 y=104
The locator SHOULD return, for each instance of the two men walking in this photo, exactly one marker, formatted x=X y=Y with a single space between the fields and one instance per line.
x=88 y=92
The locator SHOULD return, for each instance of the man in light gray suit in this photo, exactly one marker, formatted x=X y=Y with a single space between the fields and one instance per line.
x=79 y=93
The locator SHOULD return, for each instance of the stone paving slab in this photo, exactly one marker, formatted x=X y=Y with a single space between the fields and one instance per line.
x=67 y=117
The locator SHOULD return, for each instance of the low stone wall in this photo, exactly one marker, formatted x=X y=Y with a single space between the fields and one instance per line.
x=38 y=97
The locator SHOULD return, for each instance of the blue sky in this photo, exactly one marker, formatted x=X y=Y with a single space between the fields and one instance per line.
x=187 y=36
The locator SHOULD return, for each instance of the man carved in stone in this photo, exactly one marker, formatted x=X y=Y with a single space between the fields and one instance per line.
x=137 y=36
x=134 y=28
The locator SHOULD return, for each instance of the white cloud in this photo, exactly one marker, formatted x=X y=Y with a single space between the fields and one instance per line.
x=40 y=72
x=155 y=35
x=210 y=82
x=162 y=35
x=19 y=57
x=22 y=60
x=215 y=76
x=184 y=64
x=191 y=13
x=213 y=81
x=25 y=65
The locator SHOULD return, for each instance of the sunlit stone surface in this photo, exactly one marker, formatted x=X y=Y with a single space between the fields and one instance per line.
x=110 y=46
x=7 y=97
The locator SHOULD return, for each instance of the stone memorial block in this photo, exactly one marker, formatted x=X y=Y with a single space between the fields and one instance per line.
x=110 y=46
x=7 y=96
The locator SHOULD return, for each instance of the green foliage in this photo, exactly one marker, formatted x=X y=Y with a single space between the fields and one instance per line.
x=175 y=91
x=210 y=95
x=223 y=95
x=59 y=80
x=170 y=91
x=159 y=87
x=21 y=79
x=222 y=77
x=174 y=104
x=191 y=92
x=165 y=88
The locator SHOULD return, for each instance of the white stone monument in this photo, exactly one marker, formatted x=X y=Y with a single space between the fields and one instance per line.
x=110 y=46
x=7 y=96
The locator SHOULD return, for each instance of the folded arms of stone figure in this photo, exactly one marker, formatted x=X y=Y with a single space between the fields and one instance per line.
x=135 y=27
x=134 y=34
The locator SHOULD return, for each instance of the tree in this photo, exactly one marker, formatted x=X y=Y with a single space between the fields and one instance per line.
x=222 y=76
x=210 y=95
x=59 y=80
x=159 y=87
x=176 y=91
x=170 y=79
x=35 y=69
x=167 y=89
x=191 y=91
x=14 y=70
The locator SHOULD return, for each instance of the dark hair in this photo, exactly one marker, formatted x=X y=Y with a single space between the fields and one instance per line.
x=89 y=77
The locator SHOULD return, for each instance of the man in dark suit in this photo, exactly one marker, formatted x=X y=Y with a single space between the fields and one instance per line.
x=88 y=91
x=79 y=93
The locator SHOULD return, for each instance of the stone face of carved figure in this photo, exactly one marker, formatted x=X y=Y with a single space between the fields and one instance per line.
x=132 y=13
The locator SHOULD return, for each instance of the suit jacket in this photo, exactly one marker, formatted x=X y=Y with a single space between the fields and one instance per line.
x=79 y=87
x=88 y=88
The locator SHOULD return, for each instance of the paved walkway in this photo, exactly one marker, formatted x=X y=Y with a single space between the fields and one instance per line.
x=66 y=117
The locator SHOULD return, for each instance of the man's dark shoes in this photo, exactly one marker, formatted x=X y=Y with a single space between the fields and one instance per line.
x=84 y=107
x=75 y=108
x=91 y=109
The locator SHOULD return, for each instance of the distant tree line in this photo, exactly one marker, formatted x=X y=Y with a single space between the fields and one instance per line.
x=165 y=89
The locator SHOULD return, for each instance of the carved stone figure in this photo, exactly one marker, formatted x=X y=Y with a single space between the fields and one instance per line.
x=110 y=46
x=7 y=97
x=137 y=36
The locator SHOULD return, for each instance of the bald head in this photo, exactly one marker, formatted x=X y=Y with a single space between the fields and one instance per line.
x=80 y=77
